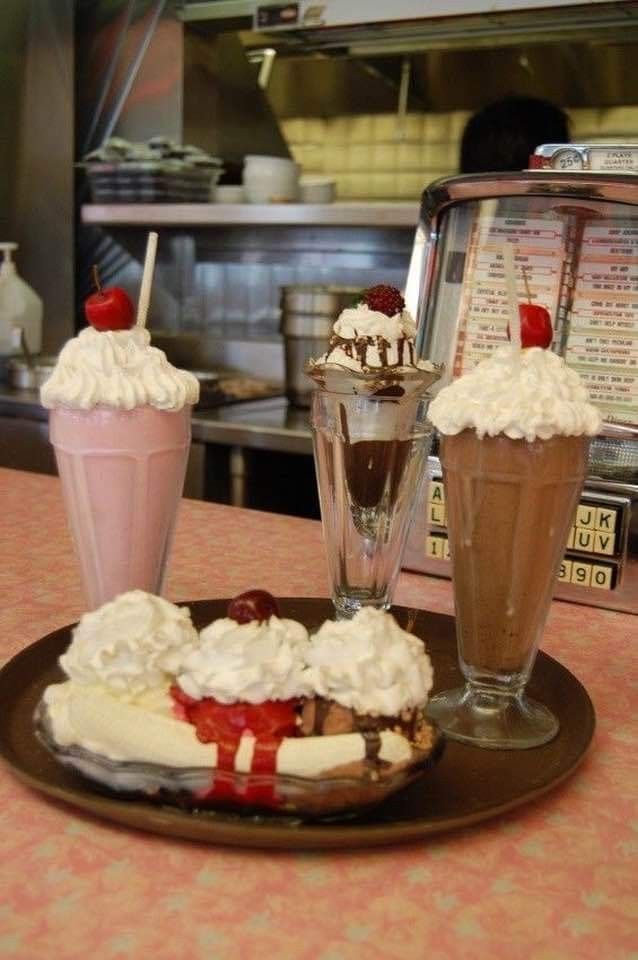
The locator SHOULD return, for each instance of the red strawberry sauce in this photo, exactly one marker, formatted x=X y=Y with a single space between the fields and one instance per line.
x=224 y=724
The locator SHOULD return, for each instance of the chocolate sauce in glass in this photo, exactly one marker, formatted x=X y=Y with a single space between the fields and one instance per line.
x=374 y=469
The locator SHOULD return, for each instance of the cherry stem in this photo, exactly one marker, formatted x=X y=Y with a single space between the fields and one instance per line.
x=95 y=273
x=527 y=290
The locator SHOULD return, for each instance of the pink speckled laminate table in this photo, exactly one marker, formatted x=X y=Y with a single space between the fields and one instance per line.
x=556 y=879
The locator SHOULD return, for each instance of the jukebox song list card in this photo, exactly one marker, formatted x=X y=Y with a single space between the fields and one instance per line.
x=603 y=333
x=539 y=252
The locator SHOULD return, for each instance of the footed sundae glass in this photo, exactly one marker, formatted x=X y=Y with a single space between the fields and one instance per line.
x=371 y=441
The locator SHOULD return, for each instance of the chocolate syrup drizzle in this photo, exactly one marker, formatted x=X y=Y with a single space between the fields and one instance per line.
x=369 y=727
x=359 y=346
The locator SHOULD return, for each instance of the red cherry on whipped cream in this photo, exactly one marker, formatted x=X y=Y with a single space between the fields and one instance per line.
x=109 y=308
x=384 y=299
x=253 y=605
x=536 y=325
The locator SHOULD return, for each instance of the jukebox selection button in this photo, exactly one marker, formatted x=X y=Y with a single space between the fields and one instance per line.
x=581 y=573
x=603 y=576
x=437 y=547
x=436 y=494
x=437 y=514
x=584 y=539
x=586 y=516
x=606 y=519
x=604 y=543
x=565 y=572
x=596 y=529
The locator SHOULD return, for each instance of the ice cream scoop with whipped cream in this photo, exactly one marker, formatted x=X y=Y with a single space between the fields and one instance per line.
x=130 y=645
x=369 y=664
x=119 y=369
x=368 y=674
x=250 y=662
x=120 y=664
x=523 y=394
x=375 y=335
x=144 y=687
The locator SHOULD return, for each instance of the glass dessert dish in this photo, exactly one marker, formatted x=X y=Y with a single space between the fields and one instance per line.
x=371 y=441
x=201 y=788
x=250 y=713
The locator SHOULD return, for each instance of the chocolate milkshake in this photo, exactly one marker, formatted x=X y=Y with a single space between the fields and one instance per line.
x=510 y=504
x=514 y=447
x=371 y=440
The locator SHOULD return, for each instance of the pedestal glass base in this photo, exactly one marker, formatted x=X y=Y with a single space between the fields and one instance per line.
x=491 y=719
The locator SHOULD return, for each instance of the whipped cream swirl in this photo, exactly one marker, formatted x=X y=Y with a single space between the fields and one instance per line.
x=369 y=664
x=368 y=340
x=131 y=645
x=117 y=368
x=249 y=662
x=361 y=321
x=524 y=394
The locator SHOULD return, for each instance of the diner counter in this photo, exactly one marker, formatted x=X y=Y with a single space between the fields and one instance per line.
x=553 y=880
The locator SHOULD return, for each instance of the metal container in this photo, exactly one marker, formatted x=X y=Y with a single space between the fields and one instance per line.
x=307 y=315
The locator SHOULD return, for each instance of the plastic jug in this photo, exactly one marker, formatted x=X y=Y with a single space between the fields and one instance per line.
x=20 y=308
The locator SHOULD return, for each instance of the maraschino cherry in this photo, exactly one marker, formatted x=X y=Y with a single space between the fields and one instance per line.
x=109 y=308
x=536 y=323
x=253 y=605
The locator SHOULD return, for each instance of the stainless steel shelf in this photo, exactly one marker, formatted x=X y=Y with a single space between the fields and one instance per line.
x=232 y=214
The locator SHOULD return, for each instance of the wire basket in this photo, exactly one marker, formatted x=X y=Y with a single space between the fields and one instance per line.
x=158 y=171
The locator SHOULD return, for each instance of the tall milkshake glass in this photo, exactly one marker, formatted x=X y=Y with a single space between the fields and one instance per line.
x=510 y=501
x=510 y=505
x=122 y=474
x=120 y=425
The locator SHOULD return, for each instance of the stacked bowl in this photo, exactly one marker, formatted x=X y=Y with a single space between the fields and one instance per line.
x=270 y=179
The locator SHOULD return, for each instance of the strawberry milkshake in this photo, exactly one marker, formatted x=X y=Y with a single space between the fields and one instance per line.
x=120 y=426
